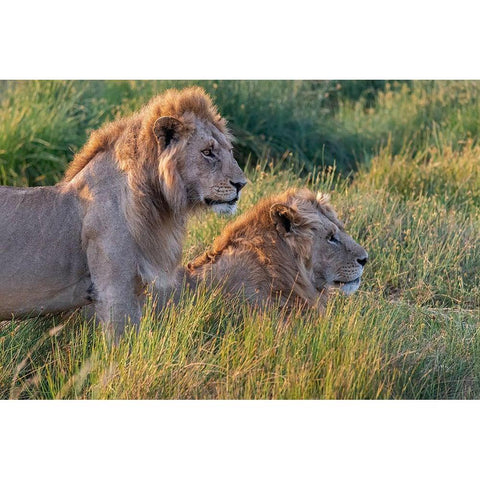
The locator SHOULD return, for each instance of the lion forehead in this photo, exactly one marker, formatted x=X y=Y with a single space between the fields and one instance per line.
x=205 y=131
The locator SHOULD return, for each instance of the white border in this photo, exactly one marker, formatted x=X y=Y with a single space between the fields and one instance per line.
x=239 y=440
x=214 y=39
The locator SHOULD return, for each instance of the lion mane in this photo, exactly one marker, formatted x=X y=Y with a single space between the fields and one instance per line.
x=157 y=194
x=131 y=138
x=273 y=252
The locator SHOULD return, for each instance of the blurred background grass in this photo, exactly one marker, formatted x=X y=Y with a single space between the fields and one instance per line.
x=42 y=123
x=402 y=162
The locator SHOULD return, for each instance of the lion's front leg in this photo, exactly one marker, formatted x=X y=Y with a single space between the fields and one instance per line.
x=114 y=284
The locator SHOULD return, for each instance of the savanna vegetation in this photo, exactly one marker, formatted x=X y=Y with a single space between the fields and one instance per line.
x=402 y=163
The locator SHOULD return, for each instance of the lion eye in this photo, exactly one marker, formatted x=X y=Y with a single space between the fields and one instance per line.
x=208 y=152
x=332 y=238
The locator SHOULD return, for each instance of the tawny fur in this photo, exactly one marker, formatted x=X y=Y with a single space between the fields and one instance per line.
x=260 y=258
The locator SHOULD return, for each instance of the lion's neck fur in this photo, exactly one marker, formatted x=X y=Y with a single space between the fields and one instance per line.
x=159 y=233
x=261 y=273
x=156 y=227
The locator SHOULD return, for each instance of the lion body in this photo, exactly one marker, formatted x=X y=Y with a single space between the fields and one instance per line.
x=33 y=276
x=116 y=223
x=278 y=251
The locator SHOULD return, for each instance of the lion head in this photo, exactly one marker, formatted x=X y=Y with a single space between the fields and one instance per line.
x=309 y=225
x=290 y=244
x=176 y=150
x=206 y=169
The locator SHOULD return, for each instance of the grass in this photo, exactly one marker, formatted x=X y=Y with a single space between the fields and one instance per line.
x=43 y=123
x=412 y=331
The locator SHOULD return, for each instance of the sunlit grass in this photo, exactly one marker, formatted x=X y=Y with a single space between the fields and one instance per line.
x=411 y=331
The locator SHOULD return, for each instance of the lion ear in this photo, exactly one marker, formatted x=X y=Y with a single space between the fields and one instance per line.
x=284 y=218
x=167 y=130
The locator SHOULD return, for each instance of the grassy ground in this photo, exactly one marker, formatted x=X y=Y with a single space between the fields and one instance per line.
x=413 y=201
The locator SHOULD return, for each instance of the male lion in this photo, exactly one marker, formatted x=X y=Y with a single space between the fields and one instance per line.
x=290 y=247
x=117 y=220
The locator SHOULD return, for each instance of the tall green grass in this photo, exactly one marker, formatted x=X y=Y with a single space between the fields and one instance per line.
x=43 y=123
x=417 y=115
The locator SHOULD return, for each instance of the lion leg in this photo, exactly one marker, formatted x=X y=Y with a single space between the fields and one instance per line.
x=116 y=301
x=115 y=313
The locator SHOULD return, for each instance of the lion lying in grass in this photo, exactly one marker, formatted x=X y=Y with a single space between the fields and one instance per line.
x=117 y=221
x=289 y=247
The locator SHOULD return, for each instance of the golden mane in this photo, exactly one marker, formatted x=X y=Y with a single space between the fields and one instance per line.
x=289 y=248
x=135 y=131
x=255 y=227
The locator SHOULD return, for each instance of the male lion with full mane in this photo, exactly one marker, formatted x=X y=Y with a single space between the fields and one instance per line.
x=289 y=247
x=117 y=220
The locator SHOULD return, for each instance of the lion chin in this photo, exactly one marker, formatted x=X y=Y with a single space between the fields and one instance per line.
x=348 y=287
x=224 y=208
x=228 y=207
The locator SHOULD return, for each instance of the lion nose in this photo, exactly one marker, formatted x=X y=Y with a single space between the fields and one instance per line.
x=362 y=261
x=238 y=185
